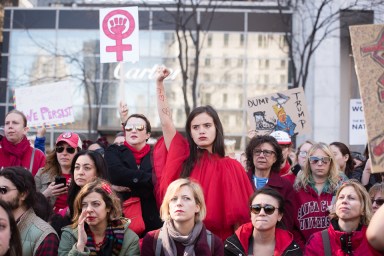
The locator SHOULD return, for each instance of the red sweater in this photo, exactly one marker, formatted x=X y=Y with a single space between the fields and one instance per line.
x=39 y=159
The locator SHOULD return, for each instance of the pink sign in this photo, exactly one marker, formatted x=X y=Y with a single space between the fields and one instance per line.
x=118 y=35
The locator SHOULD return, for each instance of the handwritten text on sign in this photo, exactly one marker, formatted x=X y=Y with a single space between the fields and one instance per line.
x=49 y=104
x=119 y=35
x=282 y=111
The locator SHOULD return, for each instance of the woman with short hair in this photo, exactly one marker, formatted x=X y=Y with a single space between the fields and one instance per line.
x=183 y=233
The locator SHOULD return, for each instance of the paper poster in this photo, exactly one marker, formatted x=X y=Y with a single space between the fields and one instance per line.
x=368 y=49
x=282 y=111
x=49 y=104
x=357 y=132
x=119 y=35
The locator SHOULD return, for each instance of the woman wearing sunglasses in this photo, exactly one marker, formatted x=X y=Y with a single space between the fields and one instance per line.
x=263 y=235
x=346 y=234
x=315 y=188
x=376 y=192
x=131 y=170
x=57 y=168
x=264 y=158
x=98 y=228
x=183 y=233
x=201 y=156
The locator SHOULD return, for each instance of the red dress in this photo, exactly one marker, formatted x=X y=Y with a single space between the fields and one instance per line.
x=225 y=184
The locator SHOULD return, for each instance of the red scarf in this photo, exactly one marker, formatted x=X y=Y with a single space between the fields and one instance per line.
x=16 y=152
x=138 y=154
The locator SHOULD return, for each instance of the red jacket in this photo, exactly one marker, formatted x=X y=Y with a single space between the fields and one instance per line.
x=38 y=162
x=360 y=245
x=284 y=242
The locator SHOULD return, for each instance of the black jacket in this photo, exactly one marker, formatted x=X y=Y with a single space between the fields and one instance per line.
x=123 y=171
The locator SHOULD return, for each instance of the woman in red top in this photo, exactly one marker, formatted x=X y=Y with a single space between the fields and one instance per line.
x=201 y=157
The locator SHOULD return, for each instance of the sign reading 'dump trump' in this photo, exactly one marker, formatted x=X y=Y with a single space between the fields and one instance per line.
x=368 y=50
x=119 y=35
x=48 y=104
x=281 y=111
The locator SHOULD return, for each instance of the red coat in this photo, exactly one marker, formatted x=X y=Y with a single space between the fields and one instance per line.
x=284 y=242
x=360 y=245
x=225 y=184
x=39 y=159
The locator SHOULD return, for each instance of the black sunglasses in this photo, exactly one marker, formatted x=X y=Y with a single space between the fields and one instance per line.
x=268 y=209
x=61 y=149
x=379 y=202
x=4 y=190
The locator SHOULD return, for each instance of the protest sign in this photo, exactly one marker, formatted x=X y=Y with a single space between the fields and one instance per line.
x=49 y=104
x=282 y=111
x=368 y=48
x=357 y=132
x=119 y=35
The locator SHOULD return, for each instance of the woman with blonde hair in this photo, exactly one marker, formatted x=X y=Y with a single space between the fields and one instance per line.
x=183 y=233
x=98 y=228
x=346 y=235
x=315 y=187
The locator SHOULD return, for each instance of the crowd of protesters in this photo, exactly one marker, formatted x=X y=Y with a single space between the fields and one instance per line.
x=184 y=196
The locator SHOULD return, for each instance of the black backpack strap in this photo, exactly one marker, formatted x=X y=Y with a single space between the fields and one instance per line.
x=326 y=242
x=32 y=159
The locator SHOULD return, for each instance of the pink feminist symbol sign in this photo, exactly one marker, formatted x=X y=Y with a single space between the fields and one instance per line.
x=116 y=30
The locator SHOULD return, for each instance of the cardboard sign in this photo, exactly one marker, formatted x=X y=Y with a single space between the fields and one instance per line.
x=119 y=35
x=49 y=104
x=282 y=111
x=357 y=132
x=368 y=49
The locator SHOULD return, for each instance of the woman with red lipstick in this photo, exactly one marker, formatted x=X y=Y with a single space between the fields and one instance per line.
x=97 y=227
x=130 y=168
x=202 y=157
x=183 y=233
x=58 y=163
x=349 y=220
x=263 y=235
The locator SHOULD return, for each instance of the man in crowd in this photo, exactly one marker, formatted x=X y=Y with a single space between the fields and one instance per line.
x=18 y=189
x=15 y=148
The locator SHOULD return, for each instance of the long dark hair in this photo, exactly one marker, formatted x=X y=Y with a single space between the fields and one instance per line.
x=344 y=150
x=15 y=248
x=101 y=172
x=218 y=144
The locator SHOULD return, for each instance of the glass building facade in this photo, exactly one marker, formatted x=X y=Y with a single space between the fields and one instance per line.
x=243 y=55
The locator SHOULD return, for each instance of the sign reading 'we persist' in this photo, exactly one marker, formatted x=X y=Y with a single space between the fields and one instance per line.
x=48 y=104
x=368 y=49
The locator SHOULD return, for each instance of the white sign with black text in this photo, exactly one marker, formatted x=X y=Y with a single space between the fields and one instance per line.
x=357 y=133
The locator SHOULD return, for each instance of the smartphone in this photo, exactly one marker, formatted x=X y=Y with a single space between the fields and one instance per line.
x=60 y=180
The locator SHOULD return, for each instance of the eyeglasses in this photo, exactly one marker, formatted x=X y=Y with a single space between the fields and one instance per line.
x=316 y=159
x=130 y=127
x=61 y=149
x=303 y=153
x=4 y=190
x=265 y=152
x=268 y=209
x=379 y=202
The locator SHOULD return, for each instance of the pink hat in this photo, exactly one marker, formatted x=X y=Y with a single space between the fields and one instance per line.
x=71 y=138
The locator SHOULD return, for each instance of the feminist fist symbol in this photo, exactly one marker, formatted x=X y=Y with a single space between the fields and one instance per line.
x=116 y=31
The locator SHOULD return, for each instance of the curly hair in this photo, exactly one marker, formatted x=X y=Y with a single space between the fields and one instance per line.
x=103 y=187
x=257 y=141
x=304 y=178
